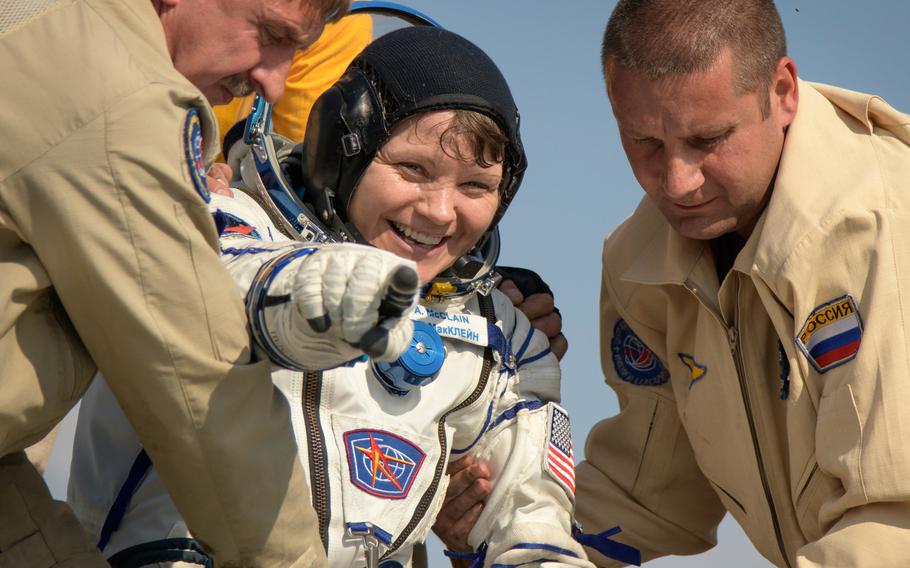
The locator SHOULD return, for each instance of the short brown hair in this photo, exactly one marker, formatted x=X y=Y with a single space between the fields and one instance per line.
x=662 y=38
x=485 y=141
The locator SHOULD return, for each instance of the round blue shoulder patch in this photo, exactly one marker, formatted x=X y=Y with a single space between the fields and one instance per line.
x=192 y=144
x=633 y=361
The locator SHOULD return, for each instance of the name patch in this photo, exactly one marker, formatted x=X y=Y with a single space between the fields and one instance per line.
x=464 y=327
x=634 y=362
x=381 y=463
x=832 y=334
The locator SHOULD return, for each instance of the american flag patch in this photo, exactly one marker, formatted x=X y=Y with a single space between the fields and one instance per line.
x=559 y=461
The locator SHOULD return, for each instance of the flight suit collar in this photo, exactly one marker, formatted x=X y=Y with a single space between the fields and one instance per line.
x=667 y=257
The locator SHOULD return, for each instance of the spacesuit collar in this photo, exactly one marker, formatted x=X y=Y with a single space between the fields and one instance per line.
x=445 y=290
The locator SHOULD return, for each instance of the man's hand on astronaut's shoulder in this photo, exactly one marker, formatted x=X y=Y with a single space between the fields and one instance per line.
x=360 y=295
x=530 y=294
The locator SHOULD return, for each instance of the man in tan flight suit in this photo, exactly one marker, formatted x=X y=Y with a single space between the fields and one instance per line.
x=752 y=316
x=109 y=258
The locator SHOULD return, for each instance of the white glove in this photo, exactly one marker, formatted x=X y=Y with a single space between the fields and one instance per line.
x=333 y=305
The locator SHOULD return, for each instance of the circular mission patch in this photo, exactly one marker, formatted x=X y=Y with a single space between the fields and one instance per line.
x=192 y=147
x=633 y=361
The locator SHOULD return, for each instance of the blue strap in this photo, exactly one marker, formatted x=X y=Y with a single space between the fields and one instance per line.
x=609 y=548
x=460 y=555
x=141 y=466
x=478 y=557
x=362 y=528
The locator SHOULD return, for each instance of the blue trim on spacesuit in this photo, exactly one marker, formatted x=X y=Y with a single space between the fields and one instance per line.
x=483 y=431
x=167 y=550
x=250 y=250
x=498 y=341
x=537 y=546
x=524 y=345
x=508 y=414
x=141 y=466
x=544 y=546
x=477 y=556
x=461 y=555
x=533 y=358
x=256 y=298
x=512 y=413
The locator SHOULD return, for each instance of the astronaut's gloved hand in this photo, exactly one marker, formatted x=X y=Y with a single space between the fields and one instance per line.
x=361 y=295
x=343 y=301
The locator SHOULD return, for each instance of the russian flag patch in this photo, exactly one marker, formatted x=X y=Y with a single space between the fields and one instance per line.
x=832 y=334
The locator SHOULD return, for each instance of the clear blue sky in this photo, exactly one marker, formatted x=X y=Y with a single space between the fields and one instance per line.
x=579 y=187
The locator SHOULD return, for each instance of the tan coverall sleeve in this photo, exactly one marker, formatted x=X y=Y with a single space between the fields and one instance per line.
x=861 y=487
x=640 y=471
x=133 y=254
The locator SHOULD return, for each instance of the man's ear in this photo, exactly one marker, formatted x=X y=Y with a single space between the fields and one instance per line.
x=785 y=91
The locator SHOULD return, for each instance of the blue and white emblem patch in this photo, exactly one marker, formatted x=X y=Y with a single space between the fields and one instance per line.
x=192 y=147
x=633 y=361
x=381 y=463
